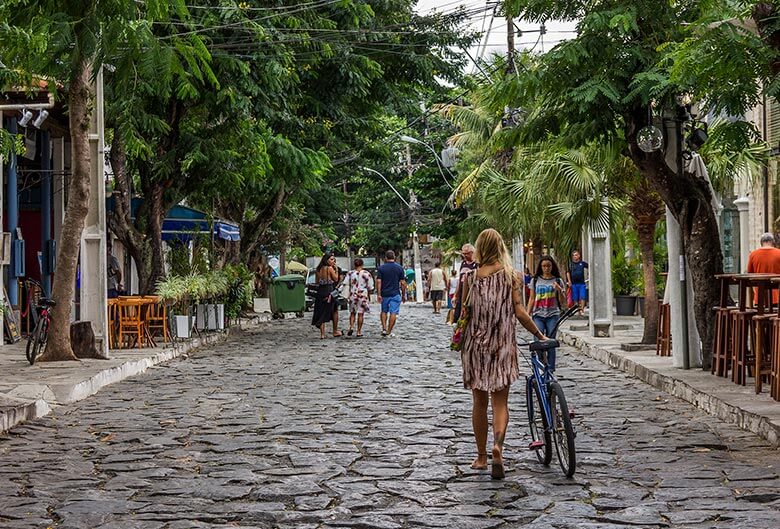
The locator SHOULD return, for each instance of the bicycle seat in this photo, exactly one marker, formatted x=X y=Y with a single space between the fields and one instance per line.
x=543 y=346
x=46 y=302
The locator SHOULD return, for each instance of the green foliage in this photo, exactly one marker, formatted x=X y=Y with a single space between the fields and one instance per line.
x=240 y=290
x=231 y=285
x=10 y=143
x=625 y=274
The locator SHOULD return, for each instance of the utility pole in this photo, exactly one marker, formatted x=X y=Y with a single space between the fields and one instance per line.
x=413 y=205
x=346 y=224
x=510 y=43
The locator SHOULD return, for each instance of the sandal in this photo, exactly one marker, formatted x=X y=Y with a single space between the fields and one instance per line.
x=349 y=333
x=358 y=335
x=338 y=335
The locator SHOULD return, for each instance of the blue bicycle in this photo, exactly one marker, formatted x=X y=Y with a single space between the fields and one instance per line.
x=548 y=413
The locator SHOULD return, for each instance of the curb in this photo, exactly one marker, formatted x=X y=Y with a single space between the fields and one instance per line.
x=716 y=406
x=16 y=410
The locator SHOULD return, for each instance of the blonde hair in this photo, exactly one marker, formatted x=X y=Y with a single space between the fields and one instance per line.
x=491 y=249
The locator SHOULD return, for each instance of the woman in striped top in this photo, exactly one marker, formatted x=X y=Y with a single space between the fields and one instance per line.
x=548 y=295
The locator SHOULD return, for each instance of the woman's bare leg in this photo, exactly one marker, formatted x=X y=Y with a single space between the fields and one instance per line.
x=500 y=422
x=479 y=422
x=336 y=323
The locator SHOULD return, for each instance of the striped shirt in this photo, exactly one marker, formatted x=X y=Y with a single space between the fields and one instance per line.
x=545 y=296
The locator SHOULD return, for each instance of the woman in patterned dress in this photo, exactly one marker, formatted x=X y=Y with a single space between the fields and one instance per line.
x=489 y=354
x=360 y=284
x=325 y=304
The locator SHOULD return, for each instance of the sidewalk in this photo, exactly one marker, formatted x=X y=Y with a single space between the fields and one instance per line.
x=27 y=392
x=716 y=395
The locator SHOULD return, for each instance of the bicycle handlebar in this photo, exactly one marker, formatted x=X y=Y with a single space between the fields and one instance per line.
x=544 y=345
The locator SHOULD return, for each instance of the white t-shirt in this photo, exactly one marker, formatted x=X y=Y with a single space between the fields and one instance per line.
x=437 y=279
x=453 y=285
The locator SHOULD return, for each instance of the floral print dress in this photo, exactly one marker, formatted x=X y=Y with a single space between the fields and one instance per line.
x=360 y=283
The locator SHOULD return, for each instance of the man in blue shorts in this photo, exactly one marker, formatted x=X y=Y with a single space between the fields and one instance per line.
x=576 y=277
x=390 y=281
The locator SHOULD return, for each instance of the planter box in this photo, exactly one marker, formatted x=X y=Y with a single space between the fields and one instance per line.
x=625 y=305
x=210 y=317
x=183 y=326
x=262 y=305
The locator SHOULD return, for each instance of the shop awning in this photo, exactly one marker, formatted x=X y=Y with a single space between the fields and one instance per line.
x=184 y=223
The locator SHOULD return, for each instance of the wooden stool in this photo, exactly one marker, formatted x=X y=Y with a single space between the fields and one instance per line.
x=663 y=339
x=741 y=329
x=721 y=353
x=760 y=357
x=774 y=371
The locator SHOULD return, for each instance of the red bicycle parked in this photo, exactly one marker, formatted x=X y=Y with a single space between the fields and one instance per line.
x=36 y=342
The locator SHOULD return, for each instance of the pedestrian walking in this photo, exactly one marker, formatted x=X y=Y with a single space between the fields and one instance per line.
x=575 y=276
x=492 y=298
x=466 y=266
x=437 y=279
x=325 y=302
x=360 y=286
x=113 y=274
x=391 y=281
x=453 y=287
x=548 y=295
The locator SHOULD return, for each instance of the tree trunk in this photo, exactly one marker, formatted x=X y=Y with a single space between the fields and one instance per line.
x=80 y=97
x=120 y=220
x=155 y=218
x=646 y=234
x=253 y=232
x=690 y=201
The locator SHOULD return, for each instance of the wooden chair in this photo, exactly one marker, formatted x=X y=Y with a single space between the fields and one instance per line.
x=130 y=322
x=113 y=322
x=157 y=318
x=663 y=339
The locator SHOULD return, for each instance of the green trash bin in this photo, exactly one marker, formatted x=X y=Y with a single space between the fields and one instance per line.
x=288 y=294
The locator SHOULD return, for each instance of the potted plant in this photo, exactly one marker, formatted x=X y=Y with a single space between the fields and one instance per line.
x=624 y=279
x=175 y=291
x=211 y=315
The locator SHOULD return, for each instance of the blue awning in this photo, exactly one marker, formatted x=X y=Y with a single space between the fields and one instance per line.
x=229 y=232
x=184 y=223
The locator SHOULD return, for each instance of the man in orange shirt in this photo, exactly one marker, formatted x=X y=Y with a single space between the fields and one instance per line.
x=765 y=260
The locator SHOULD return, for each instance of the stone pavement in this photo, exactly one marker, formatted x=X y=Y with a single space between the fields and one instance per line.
x=27 y=392
x=278 y=429
x=718 y=396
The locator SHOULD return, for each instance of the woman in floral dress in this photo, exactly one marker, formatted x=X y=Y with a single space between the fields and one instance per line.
x=360 y=285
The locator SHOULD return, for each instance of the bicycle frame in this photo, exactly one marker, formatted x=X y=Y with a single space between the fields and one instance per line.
x=542 y=374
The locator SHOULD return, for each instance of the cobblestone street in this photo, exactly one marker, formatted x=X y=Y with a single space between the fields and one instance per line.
x=278 y=428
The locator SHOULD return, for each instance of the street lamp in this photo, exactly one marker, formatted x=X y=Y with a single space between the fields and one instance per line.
x=439 y=162
x=412 y=204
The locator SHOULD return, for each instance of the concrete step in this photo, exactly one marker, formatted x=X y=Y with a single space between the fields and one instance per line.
x=615 y=327
x=630 y=347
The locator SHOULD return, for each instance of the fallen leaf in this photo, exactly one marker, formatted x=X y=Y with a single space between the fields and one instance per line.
x=107 y=438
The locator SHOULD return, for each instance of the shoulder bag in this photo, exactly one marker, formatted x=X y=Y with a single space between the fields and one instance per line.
x=459 y=334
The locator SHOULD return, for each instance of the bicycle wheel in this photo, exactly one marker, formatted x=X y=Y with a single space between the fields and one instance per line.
x=37 y=341
x=563 y=431
x=537 y=422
